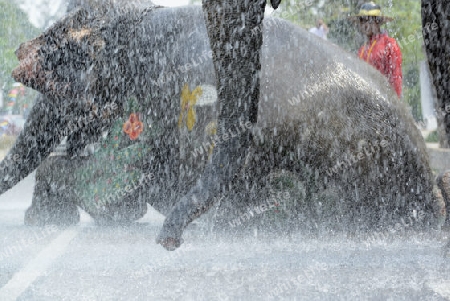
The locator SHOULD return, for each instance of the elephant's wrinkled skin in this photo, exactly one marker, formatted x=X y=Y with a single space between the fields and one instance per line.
x=318 y=106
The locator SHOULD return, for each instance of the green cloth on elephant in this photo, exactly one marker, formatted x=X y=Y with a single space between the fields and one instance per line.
x=114 y=170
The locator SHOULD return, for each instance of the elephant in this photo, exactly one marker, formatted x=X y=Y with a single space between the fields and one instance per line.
x=323 y=116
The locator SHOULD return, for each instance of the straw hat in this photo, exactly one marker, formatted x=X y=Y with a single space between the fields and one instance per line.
x=370 y=10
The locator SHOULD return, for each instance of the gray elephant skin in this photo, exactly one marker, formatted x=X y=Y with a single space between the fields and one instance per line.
x=324 y=117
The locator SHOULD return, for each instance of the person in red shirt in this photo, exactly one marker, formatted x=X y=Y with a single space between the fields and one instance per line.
x=380 y=50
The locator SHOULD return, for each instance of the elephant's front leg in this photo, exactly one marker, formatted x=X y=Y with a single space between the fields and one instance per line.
x=197 y=201
x=248 y=185
x=235 y=34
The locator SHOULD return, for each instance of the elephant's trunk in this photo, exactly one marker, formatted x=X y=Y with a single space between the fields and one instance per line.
x=43 y=129
x=39 y=136
x=29 y=72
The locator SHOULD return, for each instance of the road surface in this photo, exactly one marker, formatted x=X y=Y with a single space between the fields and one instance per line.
x=87 y=262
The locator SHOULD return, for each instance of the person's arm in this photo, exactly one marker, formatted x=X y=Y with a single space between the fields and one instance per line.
x=360 y=52
x=325 y=28
x=394 y=65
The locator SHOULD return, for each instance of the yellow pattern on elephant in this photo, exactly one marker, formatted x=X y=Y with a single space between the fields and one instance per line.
x=188 y=101
x=211 y=130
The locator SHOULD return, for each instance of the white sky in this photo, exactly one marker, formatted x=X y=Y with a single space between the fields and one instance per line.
x=171 y=2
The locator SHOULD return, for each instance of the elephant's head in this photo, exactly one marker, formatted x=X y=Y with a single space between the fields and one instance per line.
x=67 y=63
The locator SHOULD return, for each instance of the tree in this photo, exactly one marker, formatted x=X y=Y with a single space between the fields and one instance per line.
x=14 y=30
x=436 y=32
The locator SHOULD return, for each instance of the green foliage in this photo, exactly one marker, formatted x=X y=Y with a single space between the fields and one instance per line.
x=411 y=91
x=432 y=137
x=14 y=30
x=406 y=29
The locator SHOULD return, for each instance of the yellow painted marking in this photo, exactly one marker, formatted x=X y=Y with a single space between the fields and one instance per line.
x=188 y=101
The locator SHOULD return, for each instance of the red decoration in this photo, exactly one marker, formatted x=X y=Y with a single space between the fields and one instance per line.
x=133 y=127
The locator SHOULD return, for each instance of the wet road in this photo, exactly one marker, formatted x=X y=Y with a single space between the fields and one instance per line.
x=123 y=263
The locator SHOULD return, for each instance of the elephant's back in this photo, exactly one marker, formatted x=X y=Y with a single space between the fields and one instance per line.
x=328 y=102
x=312 y=82
x=301 y=72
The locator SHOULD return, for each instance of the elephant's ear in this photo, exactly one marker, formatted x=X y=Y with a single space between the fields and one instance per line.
x=94 y=42
x=85 y=25
x=78 y=34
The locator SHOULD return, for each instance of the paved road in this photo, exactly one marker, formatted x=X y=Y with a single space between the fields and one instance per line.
x=123 y=263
